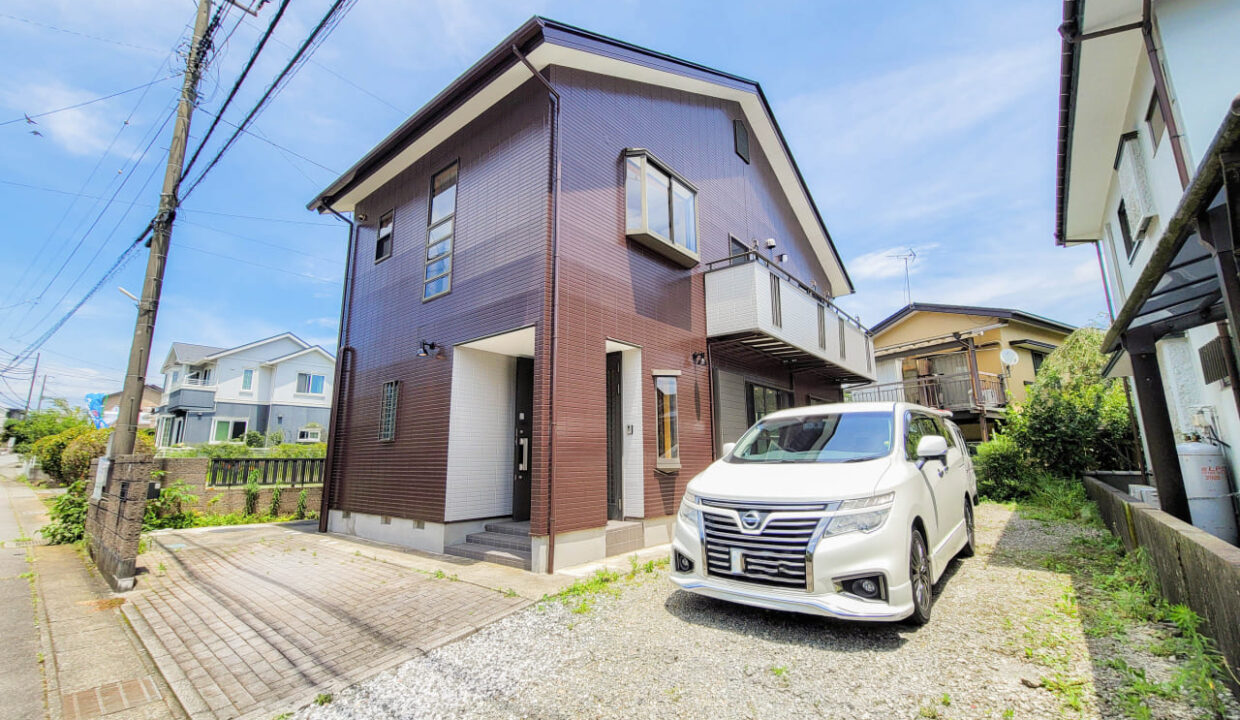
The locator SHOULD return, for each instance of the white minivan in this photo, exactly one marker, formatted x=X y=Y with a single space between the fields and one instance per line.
x=850 y=510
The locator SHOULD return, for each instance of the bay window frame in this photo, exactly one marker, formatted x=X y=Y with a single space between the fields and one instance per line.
x=668 y=246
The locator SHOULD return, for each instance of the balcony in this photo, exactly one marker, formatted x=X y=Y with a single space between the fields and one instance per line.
x=189 y=399
x=752 y=305
x=943 y=392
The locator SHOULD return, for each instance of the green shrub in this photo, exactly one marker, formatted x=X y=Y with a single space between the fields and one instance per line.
x=39 y=424
x=217 y=450
x=68 y=516
x=275 y=437
x=50 y=449
x=75 y=460
x=169 y=509
x=251 y=494
x=299 y=450
x=1002 y=470
x=1074 y=420
x=255 y=439
x=301 y=505
x=276 y=492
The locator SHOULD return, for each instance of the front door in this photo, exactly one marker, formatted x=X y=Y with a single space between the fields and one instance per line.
x=524 y=427
x=615 y=440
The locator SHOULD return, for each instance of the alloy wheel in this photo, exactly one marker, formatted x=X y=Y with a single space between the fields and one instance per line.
x=920 y=578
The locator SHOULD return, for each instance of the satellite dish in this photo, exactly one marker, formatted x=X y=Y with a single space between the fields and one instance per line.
x=1009 y=357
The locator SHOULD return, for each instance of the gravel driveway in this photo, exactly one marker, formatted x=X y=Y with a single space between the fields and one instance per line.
x=655 y=652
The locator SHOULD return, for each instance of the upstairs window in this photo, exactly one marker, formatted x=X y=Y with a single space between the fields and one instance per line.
x=1154 y=118
x=247 y=379
x=309 y=383
x=660 y=208
x=439 y=234
x=383 y=238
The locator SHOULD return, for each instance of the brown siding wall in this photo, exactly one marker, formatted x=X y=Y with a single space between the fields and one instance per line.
x=498 y=276
x=611 y=288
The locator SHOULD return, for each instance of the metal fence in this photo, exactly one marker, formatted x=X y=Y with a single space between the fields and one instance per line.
x=945 y=392
x=270 y=471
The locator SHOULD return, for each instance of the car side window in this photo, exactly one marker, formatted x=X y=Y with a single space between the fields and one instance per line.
x=943 y=429
x=918 y=427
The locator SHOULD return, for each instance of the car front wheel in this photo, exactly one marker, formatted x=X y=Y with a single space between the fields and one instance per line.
x=920 y=578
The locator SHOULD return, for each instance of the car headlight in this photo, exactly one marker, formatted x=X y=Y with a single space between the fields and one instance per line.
x=688 y=513
x=871 y=513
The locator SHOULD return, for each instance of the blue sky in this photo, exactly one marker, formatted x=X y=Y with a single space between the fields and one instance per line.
x=917 y=125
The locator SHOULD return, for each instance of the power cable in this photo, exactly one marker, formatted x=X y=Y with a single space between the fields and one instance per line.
x=272 y=89
x=254 y=133
x=262 y=42
x=80 y=34
x=27 y=118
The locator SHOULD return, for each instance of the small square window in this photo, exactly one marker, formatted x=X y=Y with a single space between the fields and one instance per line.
x=383 y=238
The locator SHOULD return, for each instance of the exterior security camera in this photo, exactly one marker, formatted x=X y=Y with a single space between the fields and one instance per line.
x=360 y=217
x=770 y=243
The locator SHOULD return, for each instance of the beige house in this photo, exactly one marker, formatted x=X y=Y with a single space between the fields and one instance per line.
x=152 y=395
x=949 y=357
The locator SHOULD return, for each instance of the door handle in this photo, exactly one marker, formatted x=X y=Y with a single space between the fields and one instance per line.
x=524 y=443
x=942 y=471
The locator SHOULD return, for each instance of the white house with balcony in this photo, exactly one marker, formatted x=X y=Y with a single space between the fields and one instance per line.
x=214 y=395
x=1149 y=177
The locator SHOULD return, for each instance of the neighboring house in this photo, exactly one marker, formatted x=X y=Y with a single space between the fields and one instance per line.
x=152 y=398
x=553 y=315
x=1149 y=175
x=218 y=394
x=947 y=357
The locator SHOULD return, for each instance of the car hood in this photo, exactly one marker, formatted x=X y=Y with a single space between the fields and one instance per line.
x=793 y=482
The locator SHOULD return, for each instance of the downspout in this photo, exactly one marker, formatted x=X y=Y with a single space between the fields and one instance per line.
x=553 y=252
x=342 y=350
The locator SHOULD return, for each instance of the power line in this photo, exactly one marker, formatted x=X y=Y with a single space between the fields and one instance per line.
x=272 y=89
x=243 y=261
x=254 y=133
x=26 y=118
x=79 y=34
x=184 y=209
x=245 y=71
x=268 y=243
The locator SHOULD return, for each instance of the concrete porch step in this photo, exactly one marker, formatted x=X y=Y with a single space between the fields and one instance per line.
x=487 y=553
x=509 y=527
x=500 y=540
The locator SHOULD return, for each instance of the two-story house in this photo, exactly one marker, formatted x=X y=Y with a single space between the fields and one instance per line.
x=574 y=275
x=214 y=395
x=951 y=357
x=1148 y=174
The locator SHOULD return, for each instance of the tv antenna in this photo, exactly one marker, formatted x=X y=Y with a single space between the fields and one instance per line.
x=908 y=256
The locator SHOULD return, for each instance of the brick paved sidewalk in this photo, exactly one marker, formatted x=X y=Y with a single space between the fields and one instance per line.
x=252 y=622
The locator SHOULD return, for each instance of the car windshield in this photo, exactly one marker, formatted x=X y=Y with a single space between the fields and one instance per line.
x=833 y=438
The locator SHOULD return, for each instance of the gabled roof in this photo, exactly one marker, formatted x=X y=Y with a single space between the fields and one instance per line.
x=1000 y=313
x=546 y=42
x=312 y=349
x=258 y=343
x=189 y=354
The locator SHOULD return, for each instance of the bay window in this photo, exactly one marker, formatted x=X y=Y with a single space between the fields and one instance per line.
x=660 y=208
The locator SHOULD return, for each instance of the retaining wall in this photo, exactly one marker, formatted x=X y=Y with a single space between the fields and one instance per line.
x=1193 y=567
x=232 y=498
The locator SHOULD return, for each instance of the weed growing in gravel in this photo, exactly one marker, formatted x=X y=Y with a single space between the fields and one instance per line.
x=946 y=700
x=322 y=698
x=781 y=673
x=928 y=711
x=581 y=594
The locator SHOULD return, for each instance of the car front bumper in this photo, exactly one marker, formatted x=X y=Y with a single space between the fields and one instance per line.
x=883 y=552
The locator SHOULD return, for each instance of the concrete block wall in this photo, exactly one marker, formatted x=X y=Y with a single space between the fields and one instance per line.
x=1193 y=567
x=193 y=471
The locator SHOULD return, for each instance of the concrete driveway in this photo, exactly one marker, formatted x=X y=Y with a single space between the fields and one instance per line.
x=257 y=620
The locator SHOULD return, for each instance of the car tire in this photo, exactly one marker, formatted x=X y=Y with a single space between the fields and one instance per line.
x=970 y=545
x=921 y=579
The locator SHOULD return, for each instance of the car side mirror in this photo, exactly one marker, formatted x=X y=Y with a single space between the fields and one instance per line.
x=727 y=448
x=931 y=447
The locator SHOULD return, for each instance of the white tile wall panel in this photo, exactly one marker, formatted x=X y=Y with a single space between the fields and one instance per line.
x=480 y=435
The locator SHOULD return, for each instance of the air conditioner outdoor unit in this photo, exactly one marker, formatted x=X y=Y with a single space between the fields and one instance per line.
x=1134 y=185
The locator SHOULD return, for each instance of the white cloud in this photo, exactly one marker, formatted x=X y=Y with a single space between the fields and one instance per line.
x=83 y=131
x=885 y=263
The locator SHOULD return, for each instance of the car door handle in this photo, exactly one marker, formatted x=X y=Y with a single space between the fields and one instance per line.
x=942 y=471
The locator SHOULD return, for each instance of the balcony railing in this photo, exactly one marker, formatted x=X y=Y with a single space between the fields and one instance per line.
x=944 y=392
x=751 y=301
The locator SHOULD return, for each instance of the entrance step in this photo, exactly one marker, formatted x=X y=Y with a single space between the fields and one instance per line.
x=500 y=556
x=504 y=542
x=500 y=540
x=624 y=536
x=510 y=527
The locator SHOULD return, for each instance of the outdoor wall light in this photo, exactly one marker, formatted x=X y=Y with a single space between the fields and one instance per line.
x=428 y=349
x=699 y=358
x=360 y=217
x=782 y=257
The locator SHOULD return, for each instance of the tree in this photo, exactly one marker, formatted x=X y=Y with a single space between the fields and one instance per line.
x=42 y=423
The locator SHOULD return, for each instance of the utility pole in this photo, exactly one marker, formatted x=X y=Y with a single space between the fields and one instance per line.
x=42 y=389
x=30 y=392
x=139 y=353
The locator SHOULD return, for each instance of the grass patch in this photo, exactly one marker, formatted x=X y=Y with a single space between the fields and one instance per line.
x=322 y=698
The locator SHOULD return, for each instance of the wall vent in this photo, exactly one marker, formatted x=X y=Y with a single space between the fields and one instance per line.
x=1214 y=359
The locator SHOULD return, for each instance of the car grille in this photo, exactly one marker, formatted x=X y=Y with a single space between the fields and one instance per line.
x=775 y=557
